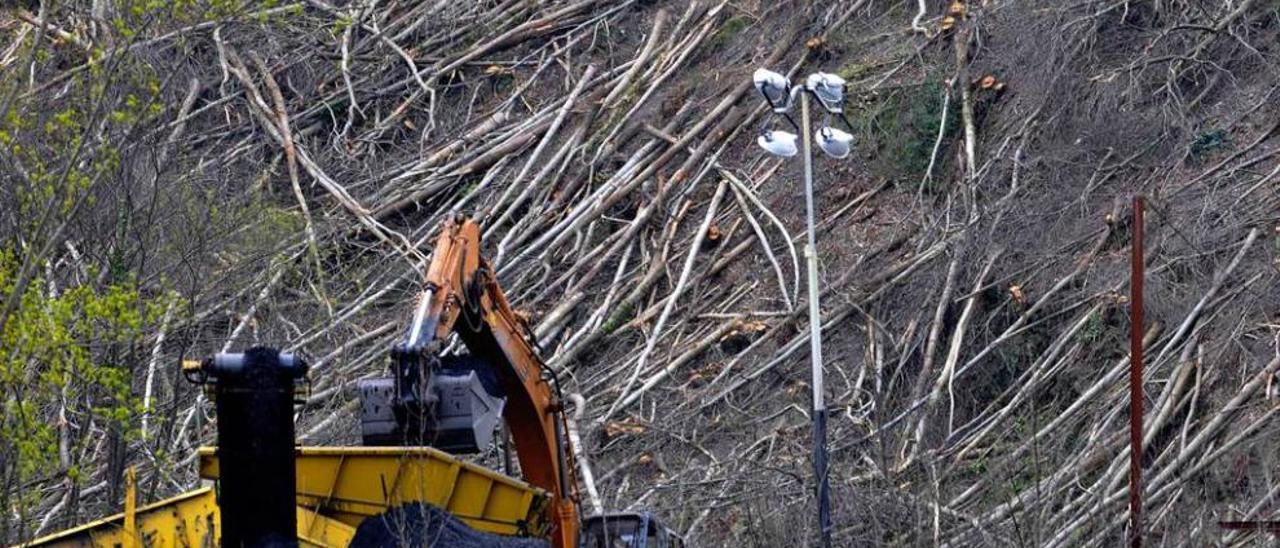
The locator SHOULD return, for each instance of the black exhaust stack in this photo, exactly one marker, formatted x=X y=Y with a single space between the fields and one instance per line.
x=254 y=397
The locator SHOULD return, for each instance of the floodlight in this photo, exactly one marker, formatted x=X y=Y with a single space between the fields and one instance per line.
x=775 y=88
x=829 y=89
x=836 y=143
x=778 y=143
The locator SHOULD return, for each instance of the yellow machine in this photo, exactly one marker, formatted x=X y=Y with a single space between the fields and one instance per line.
x=337 y=488
x=406 y=491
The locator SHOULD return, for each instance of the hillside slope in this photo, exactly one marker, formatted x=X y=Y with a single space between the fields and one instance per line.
x=181 y=178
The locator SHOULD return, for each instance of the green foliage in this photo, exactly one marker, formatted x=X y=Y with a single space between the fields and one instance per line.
x=1095 y=328
x=731 y=28
x=342 y=23
x=619 y=317
x=68 y=149
x=148 y=17
x=62 y=148
x=1209 y=142
x=903 y=125
x=853 y=71
x=94 y=225
x=264 y=225
x=61 y=365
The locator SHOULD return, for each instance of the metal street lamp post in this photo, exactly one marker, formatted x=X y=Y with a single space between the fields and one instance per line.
x=828 y=89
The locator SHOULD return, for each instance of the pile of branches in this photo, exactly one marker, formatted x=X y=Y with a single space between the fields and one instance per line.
x=286 y=178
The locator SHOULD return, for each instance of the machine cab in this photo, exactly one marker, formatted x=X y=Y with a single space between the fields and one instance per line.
x=627 y=530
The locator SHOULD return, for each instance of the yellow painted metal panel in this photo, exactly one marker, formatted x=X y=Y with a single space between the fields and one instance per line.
x=470 y=495
x=189 y=519
x=349 y=484
x=337 y=489
x=315 y=529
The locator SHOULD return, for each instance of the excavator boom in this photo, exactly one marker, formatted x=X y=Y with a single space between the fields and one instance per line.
x=450 y=402
x=273 y=493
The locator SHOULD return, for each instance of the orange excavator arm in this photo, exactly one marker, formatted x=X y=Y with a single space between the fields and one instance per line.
x=461 y=295
x=269 y=489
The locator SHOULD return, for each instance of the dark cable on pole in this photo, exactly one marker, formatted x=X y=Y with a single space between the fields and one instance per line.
x=821 y=485
x=1137 y=275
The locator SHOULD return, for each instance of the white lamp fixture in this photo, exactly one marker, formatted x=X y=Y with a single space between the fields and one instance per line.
x=778 y=143
x=775 y=88
x=834 y=142
x=829 y=89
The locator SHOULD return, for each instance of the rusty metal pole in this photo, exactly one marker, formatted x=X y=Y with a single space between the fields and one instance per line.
x=1135 y=377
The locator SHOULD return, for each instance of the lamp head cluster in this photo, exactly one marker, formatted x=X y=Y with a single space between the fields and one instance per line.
x=827 y=88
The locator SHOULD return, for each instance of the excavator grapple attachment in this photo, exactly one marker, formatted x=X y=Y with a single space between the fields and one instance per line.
x=457 y=411
x=378 y=425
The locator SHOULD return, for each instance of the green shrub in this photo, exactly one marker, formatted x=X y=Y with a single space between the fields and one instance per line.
x=63 y=365
x=731 y=28
x=1207 y=143
x=902 y=125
